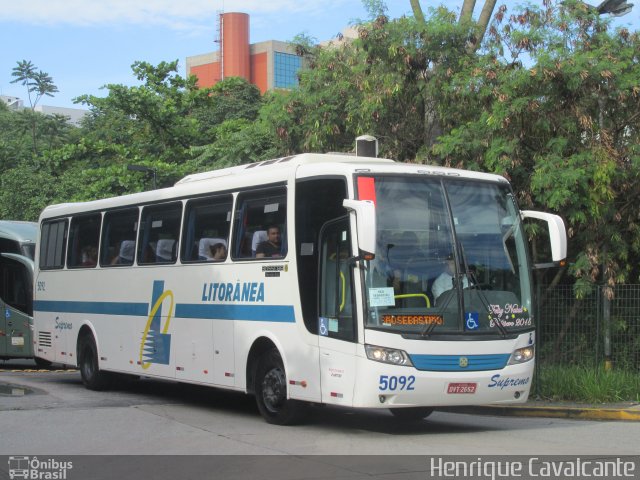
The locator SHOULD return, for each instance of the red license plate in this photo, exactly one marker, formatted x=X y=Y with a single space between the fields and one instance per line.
x=462 y=388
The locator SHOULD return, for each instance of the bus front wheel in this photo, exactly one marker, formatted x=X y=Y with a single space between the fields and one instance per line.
x=271 y=392
x=92 y=377
x=411 y=414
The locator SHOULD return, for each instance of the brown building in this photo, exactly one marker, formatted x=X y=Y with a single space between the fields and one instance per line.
x=268 y=65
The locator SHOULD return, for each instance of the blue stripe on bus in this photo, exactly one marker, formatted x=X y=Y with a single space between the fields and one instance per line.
x=100 y=308
x=257 y=313
x=451 y=363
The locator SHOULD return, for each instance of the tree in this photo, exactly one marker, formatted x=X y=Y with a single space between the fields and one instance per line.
x=565 y=129
x=37 y=82
x=380 y=83
x=233 y=98
x=466 y=17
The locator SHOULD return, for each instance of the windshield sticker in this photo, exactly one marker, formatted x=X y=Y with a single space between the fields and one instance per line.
x=323 y=326
x=509 y=315
x=333 y=324
x=472 y=320
x=381 y=297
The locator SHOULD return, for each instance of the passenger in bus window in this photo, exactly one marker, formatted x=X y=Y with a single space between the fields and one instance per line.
x=125 y=253
x=89 y=256
x=218 y=252
x=272 y=246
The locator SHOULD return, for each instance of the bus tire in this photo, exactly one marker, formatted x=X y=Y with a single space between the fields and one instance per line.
x=92 y=377
x=271 y=392
x=411 y=414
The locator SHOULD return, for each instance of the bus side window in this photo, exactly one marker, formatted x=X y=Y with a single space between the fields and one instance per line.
x=119 y=237
x=159 y=233
x=83 y=241
x=53 y=244
x=205 y=235
x=258 y=214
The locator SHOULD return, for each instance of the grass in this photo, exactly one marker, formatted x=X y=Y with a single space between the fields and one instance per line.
x=588 y=384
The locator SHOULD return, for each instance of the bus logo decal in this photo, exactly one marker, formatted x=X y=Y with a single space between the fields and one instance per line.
x=463 y=362
x=155 y=346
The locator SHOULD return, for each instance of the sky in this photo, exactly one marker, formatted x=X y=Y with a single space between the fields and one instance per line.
x=86 y=44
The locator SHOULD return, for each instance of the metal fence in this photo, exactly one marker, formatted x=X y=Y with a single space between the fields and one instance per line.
x=589 y=331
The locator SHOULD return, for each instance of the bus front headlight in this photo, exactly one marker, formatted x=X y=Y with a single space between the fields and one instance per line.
x=388 y=355
x=522 y=355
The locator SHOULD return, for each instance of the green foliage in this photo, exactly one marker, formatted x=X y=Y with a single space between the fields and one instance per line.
x=586 y=384
x=563 y=129
x=550 y=100
x=166 y=123
x=378 y=84
x=37 y=82
x=41 y=84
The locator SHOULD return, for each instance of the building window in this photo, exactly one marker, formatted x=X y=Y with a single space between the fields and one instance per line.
x=286 y=69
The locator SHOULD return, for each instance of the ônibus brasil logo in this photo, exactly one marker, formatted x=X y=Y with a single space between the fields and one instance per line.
x=38 y=469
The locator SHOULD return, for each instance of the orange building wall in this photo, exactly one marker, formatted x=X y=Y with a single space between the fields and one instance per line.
x=208 y=74
x=235 y=45
x=259 y=71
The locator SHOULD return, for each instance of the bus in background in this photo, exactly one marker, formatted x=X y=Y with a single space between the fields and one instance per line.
x=17 y=249
x=310 y=279
x=18 y=237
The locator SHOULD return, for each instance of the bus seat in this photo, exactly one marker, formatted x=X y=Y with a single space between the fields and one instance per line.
x=164 y=250
x=204 y=247
x=127 y=249
x=259 y=236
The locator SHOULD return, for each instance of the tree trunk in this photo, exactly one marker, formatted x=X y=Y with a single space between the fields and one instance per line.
x=483 y=23
x=467 y=11
x=417 y=10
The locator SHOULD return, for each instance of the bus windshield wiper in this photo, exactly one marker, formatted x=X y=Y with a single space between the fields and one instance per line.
x=475 y=285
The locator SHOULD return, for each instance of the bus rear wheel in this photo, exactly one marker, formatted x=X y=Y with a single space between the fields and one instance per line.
x=271 y=392
x=411 y=414
x=92 y=377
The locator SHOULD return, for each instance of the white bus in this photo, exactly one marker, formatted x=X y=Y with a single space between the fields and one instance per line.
x=301 y=280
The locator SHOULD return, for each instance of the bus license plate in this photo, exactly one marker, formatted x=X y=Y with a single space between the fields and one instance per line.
x=462 y=388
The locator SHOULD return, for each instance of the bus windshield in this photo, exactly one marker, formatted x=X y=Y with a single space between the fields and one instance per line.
x=451 y=257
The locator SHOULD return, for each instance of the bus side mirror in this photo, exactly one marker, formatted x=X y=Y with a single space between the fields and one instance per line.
x=557 y=233
x=365 y=211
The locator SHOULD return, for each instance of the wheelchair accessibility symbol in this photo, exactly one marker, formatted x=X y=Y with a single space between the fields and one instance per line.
x=472 y=322
x=323 y=326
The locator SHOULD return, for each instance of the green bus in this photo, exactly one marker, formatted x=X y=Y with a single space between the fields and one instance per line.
x=17 y=249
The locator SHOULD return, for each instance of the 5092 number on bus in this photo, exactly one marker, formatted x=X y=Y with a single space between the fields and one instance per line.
x=392 y=383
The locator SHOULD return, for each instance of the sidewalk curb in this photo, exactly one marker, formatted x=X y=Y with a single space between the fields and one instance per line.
x=579 y=413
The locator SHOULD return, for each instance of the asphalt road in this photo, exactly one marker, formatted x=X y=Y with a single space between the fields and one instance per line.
x=51 y=413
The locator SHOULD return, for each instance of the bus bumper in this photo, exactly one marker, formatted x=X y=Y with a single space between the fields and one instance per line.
x=387 y=386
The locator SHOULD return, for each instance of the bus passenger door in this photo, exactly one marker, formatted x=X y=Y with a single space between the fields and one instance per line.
x=336 y=320
x=16 y=274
